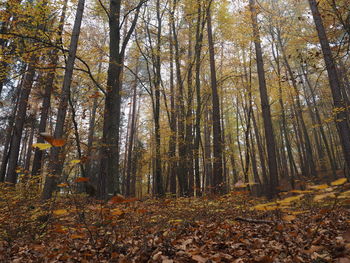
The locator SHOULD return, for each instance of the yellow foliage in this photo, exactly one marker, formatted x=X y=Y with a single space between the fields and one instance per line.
x=42 y=146
x=60 y=212
x=319 y=187
x=289 y=218
x=340 y=181
x=117 y=212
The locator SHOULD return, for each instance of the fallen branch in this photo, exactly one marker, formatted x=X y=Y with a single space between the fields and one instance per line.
x=255 y=221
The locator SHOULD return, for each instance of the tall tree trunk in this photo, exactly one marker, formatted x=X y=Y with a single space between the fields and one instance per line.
x=55 y=165
x=218 y=180
x=9 y=132
x=309 y=160
x=131 y=138
x=335 y=85
x=19 y=121
x=172 y=138
x=49 y=83
x=109 y=178
x=265 y=106
x=189 y=121
x=181 y=171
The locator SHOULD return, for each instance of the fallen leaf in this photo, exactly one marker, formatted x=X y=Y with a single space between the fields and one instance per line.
x=117 y=212
x=289 y=218
x=340 y=181
x=60 y=212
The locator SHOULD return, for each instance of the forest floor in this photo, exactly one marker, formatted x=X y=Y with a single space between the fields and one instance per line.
x=301 y=226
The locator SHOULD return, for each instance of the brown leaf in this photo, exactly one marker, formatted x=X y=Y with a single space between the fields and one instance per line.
x=346 y=235
x=199 y=258
x=343 y=260
x=81 y=179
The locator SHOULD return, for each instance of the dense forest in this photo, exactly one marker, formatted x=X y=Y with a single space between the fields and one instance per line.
x=159 y=105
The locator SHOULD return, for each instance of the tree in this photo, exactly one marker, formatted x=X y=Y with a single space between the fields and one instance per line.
x=55 y=160
x=335 y=85
x=265 y=105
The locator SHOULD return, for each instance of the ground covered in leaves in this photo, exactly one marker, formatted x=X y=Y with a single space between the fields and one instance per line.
x=301 y=226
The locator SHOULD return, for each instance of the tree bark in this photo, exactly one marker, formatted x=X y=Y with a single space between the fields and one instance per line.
x=265 y=106
x=55 y=166
x=218 y=180
x=335 y=85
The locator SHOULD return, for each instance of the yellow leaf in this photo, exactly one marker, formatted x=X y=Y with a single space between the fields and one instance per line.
x=117 y=212
x=290 y=199
x=319 y=187
x=175 y=221
x=320 y=197
x=75 y=161
x=266 y=207
x=340 y=181
x=301 y=191
x=289 y=218
x=42 y=146
x=60 y=212
x=77 y=236
x=298 y=212
x=345 y=194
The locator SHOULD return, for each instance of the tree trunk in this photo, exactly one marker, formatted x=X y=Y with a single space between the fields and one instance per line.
x=335 y=85
x=265 y=106
x=55 y=165
x=218 y=182
x=131 y=138
x=49 y=83
x=19 y=121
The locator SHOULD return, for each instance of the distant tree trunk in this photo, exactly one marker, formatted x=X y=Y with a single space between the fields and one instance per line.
x=319 y=122
x=181 y=171
x=9 y=132
x=335 y=85
x=198 y=51
x=92 y=121
x=309 y=160
x=19 y=121
x=173 y=128
x=207 y=152
x=28 y=157
x=218 y=180
x=48 y=87
x=265 y=106
x=158 y=187
x=189 y=121
x=55 y=166
x=128 y=191
x=109 y=178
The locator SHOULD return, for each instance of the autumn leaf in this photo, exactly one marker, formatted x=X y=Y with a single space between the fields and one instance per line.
x=60 y=212
x=289 y=218
x=323 y=196
x=77 y=236
x=53 y=141
x=340 y=181
x=62 y=185
x=116 y=199
x=319 y=187
x=290 y=199
x=81 y=179
x=117 y=212
x=74 y=161
x=42 y=146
